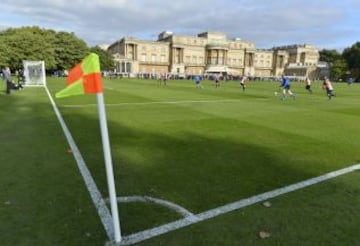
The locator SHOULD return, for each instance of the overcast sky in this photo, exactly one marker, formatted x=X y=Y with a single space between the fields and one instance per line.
x=329 y=24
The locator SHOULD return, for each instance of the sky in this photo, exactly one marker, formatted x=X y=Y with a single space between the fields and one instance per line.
x=325 y=24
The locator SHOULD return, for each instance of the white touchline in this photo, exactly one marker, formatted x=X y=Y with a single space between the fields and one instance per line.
x=147 y=234
x=95 y=194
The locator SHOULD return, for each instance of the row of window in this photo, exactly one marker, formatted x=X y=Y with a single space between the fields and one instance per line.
x=153 y=58
x=156 y=48
x=211 y=60
x=156 y=70
x=263 y=56
x=192 y=59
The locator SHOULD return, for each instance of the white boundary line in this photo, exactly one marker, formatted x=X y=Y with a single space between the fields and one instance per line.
x=147 y=234
x=150 y=103
x=180 y=210
x=148 y=199
x=95 y=194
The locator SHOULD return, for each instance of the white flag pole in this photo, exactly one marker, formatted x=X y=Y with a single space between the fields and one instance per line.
x=109 y=166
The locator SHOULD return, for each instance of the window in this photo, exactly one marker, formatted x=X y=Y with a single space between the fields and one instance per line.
x=128 y=67
x=162 y=58
x=153 y=58
x=201 y=59
x=143 y=57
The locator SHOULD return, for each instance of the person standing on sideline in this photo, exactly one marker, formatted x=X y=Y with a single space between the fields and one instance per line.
x=217 y=81
x=328 y=87
x=308 y=84
x=7 y=78
x=242 y=82
x=197 y=80
x=286 y=88
x=163 y=78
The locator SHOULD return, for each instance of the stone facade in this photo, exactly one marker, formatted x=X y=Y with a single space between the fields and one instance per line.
x=208 y=53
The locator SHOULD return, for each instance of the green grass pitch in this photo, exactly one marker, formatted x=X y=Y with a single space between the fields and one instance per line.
x=198 y=148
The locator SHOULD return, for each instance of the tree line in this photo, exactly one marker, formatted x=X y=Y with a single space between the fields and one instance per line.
x=343 y=65
x=60 y=50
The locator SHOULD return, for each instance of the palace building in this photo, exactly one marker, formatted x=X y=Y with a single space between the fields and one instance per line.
x=211 y=53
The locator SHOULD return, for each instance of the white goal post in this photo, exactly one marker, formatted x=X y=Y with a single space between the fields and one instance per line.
x=34 y=73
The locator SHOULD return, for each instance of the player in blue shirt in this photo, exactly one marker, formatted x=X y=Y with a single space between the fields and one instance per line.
x=286 y=87
x=197 y=80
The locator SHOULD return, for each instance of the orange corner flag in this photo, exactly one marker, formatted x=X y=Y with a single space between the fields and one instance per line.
x=84 y=78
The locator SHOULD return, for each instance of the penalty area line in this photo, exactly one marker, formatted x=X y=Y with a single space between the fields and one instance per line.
x=147 y=234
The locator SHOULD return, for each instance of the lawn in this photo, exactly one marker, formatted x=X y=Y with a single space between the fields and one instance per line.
x=198 y=148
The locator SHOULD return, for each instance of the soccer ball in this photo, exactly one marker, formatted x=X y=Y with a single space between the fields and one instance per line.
x=275 y=93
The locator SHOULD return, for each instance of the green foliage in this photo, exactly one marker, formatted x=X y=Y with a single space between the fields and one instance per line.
x=106 y=59
x=345 y=64
x=339 y=69
x=337 y=62
x=27 y=43
x=329 y=55
x=59 y=50
x=69 y=50
x=352 y=57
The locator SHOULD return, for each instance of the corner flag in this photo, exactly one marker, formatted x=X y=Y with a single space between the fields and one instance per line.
x=85 y=78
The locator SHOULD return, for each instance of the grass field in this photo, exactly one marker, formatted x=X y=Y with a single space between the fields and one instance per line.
x=198 y=148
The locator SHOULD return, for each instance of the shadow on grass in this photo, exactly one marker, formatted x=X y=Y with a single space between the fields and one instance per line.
x=43 y=200
x=191 y=170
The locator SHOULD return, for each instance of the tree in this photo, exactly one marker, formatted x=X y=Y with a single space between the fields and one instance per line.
x=59 y=50
x=337 y=63
x=329 y=55
x=352 y=58
x=106 y=59
x=69 y=50
x=339 y=69
x=26 y=43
